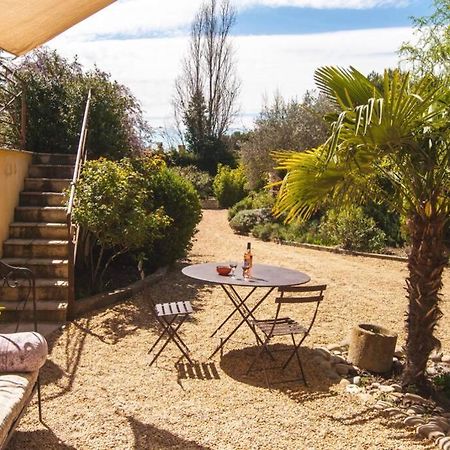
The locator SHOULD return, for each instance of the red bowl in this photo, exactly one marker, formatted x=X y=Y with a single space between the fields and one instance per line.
x=223 y=270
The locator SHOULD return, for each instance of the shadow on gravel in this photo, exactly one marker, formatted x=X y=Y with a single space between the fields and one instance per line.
x=236 y=362
x=38 y=439
x=147 y=436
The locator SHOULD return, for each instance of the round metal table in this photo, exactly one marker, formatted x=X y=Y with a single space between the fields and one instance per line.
x=263 y=276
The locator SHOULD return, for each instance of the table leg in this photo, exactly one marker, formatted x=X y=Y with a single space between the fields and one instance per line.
x=237 y=304
x=244 y=319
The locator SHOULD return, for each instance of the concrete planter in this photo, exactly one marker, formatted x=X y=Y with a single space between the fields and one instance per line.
x=372 y=348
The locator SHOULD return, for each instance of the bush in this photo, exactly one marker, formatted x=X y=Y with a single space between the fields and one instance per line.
x=202 y=181
x=254 y=200
x=229 y=185
x=244 y=221
x=181 y=203
x=352 y=230
x=269 y=232
x=134 y=206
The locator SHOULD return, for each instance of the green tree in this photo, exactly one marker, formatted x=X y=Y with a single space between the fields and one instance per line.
x=399 y=134
x=56 y=91
x=430 y=52
x=283 y=125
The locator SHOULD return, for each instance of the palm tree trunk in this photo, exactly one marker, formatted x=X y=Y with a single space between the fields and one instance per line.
x=425 y=264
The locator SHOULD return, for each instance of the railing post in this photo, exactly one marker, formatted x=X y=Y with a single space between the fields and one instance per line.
x=23 y=118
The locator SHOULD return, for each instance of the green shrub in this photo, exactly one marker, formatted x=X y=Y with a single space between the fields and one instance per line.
x=244 y=221
x=269 y=232
x=254 y=200
x=352 y=230
x=229 y=185
x=134 y=206
x=181 y=203
x=202 y=181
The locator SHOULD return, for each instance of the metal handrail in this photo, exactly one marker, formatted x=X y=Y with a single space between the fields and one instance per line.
x=73 y=230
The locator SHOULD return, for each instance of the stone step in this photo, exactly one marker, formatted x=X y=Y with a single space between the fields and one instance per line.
x=47 y=184
x=50 y=171
x=53 y=214
x=48 y=311
x=35 y=248
x=42 y=267
x=54 y=158
x=36 y=230
x=30 y=198
x=47 y=289
x=43 y=327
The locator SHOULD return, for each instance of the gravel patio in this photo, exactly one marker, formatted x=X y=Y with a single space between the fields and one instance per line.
x=100 y=393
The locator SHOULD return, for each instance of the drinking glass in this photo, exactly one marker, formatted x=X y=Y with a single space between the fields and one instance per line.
x=233 y=266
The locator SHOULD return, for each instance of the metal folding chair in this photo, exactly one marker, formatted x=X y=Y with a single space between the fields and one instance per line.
x=167 y=314
x=284 y=326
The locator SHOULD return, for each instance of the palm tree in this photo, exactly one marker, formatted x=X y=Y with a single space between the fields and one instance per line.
x=391 y=144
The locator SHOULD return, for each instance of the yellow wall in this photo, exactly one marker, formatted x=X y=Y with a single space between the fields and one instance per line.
x=13 y=170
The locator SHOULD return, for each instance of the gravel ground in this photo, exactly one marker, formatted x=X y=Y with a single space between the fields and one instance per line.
x=100 y=393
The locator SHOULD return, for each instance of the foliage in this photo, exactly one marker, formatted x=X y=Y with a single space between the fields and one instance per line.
x=430 y=52
x=387 y=221
x=202 y=181
x=399 y=135
x=207 y=89
x=110 y=204
x=244 y=221
x=56 y=92
x=443 y=382
x=135 y=206
x=254 y=200
x=283 y=125
x=353 y=230
x=179 y=200
x=229 y=185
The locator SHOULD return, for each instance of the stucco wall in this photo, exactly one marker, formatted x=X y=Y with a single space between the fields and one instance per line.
x=13 y=170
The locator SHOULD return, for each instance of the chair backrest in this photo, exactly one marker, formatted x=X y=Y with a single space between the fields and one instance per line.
x=301 y=294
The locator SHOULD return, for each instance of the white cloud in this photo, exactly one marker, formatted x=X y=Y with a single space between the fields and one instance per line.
x=265 y=63
x=143 y=17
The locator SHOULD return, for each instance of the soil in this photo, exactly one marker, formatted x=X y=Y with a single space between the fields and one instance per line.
x=100 y=393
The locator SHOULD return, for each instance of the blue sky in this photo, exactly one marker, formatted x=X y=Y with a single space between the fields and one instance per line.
x=278 y=45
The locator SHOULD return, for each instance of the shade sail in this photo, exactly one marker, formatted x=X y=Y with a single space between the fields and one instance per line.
x=26 y=24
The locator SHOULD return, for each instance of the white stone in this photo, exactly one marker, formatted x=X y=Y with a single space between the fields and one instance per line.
x=356 y=380
x=352 y=389
x=397 y=387
x=380 y=404
x=333 y=347
x=441 y=421
x=344 y=382
x=415 y=398
x=425 y=430
x=435 y=434
x=336 y=359
x=323 y=352
x=412 y=421
x=443 y=443
x=386 y=389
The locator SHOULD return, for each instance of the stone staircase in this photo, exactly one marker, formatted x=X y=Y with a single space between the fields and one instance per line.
x=38 y=239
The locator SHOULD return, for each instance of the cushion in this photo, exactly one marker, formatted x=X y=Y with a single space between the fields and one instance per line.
x=22 y=352
x=15 y=390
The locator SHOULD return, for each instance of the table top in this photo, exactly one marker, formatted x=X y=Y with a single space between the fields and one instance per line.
x=263 y=275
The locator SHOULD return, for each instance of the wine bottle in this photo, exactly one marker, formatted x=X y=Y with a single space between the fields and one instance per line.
x=248 y=261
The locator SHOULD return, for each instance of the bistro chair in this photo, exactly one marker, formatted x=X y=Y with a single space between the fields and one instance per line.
x=171 y=316
x=284 y=326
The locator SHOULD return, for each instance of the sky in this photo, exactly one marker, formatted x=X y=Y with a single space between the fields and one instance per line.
x=278 y=44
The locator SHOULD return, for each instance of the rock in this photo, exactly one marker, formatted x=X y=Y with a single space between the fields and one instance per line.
x=433 y=435
x=336 y=359
x=414 y=398
x=397 y=395
x=386 y=389
x=399 y=353
x=394 y=411
x=365 y=397
x=334 y=347
x=443 y=443
x=380 y=404
x=352 y=389
x=323 y=352
x=342 y=369
x=431 y=371
x=446 y=359
x=337 y=352
x=412 y=421
x=356 y=380
x=436 y=356
x=425 y=430
x=344 y=382
x=441 y=422
x=416 y=409
x=375 y=385
x=324 y=364
x=333 y=375
x=397 y=387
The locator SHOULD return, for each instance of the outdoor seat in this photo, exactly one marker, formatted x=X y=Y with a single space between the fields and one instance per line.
x=171 y=316
x=286 y=326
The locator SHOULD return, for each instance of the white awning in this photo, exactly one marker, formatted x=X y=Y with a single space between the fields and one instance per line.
x=27 y=24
